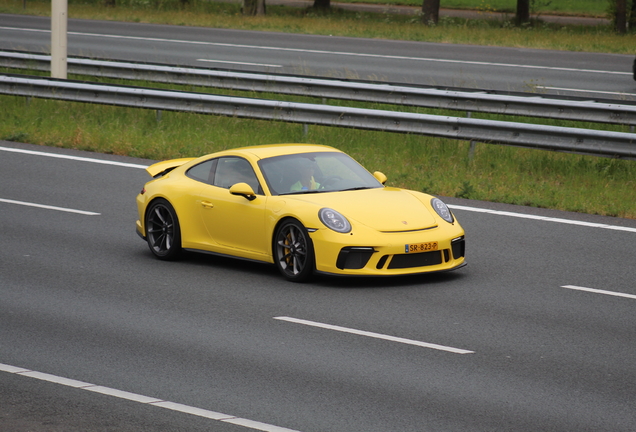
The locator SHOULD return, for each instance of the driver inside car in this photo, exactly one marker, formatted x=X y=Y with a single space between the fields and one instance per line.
x=306 y=174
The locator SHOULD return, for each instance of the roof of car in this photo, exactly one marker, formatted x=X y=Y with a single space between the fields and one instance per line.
x=265 y=151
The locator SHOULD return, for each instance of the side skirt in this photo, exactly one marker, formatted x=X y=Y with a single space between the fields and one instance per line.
x=271 y=261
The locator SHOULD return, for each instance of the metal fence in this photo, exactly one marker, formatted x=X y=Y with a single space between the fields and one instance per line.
x=585 y=141
x=510 y=103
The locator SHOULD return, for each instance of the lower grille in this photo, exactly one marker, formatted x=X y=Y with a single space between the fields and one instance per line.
x=354 y=257
x=459 y=247
x=416 y=260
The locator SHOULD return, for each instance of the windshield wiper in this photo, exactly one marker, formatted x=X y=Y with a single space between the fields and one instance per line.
x=358 y=188
x=304 y=192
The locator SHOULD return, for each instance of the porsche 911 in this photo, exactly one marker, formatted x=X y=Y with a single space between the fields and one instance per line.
x=305 y=208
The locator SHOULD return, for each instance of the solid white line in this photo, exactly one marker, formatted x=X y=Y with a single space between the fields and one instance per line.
x=12 y=369
x=254 y=425
x=455 y=207
x=543 y=218
x=54 y=379
x=199 y=412
x=374 y=335
x=48 y=207
x=351 y=54
x=598 y=291
x=240 y=63
x=122 y=394
x=590 y=91
x=75 y=158
x=191 y=410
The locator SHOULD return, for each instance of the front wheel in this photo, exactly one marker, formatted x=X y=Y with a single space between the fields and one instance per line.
x=293 y=251
x=162 y=230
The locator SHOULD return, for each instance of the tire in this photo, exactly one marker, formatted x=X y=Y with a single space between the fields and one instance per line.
x=162 y=230
x=293 y=251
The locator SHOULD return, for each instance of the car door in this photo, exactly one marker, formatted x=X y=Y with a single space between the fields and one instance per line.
x=233 y=221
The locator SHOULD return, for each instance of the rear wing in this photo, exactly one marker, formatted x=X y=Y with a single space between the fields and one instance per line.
x=162 y=168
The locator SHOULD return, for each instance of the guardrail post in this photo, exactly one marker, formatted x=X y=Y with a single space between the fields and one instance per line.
x=158 y=114
x=471 y=149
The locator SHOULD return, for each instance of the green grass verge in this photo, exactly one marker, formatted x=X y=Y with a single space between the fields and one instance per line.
x=439 y=166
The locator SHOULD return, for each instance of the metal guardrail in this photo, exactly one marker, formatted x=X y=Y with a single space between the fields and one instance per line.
x=586 y=141
x=518 y=104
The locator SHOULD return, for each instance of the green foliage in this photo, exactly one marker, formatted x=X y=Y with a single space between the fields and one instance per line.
x=496 y=173
x=630 y=13
x=17 y=136
x=466 y=191
x=433 y=165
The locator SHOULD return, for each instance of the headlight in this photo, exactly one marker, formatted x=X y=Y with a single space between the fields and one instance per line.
x=442 y=210
x=334 y=220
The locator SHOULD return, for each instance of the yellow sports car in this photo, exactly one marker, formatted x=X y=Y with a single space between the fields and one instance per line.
x=305 y=208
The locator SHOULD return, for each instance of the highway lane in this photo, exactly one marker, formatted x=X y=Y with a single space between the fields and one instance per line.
x=593 y=75
x=81 y=297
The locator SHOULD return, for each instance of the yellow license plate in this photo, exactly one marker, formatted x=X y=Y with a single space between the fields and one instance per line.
x=420 y=247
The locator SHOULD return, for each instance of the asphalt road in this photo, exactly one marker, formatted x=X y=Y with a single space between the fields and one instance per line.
x=593 y=75
x=82 y=299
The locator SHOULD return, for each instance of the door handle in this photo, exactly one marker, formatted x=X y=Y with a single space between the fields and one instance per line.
x=207 y=204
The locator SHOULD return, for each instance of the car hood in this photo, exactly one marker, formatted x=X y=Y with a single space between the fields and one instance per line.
x=383 y=209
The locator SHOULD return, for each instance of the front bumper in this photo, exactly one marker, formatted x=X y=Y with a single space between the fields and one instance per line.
x=139 y=229
x=338 y=254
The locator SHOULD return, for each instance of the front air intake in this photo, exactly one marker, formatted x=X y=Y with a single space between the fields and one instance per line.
x=354 y=258
x=459 y=247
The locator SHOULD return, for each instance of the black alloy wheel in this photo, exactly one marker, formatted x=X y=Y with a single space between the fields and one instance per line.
x=293 y=251
x=162 y=230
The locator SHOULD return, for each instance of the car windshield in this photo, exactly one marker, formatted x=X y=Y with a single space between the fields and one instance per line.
x=315 y=173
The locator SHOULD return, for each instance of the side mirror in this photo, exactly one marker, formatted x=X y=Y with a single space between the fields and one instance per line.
x=380 y=177
x=244 y=190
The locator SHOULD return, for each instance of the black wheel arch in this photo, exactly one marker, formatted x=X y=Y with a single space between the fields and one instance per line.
x=311 y=268
x=161 y=200
x=277 y=226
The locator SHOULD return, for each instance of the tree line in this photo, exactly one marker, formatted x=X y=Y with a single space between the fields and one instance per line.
x=622 y=12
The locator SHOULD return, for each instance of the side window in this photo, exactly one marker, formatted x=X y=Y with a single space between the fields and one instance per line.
x=203 y=172
x=232 y=170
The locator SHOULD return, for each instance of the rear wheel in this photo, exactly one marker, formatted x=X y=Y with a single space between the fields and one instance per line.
x=293 y=251
x=162 y=230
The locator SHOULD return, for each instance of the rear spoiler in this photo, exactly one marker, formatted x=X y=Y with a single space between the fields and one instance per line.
x=162 y=168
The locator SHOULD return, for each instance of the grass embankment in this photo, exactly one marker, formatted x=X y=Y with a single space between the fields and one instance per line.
x=497 y=173
x=438 y=166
